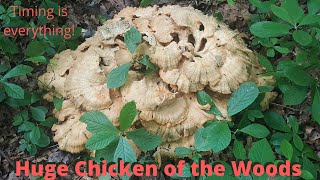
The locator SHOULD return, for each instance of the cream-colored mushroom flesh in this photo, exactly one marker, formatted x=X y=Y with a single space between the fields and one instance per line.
x=192 y=51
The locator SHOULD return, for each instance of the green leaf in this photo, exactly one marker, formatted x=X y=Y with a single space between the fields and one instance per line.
x=286 y=149
x=298 y=76
x=100 y=140
x=293 y=94
x=118 y=76
x=302 y=37
x=35 y=134
x=271 y=52
x=49 y=122
x=145 y=140
x=256 y=155
x=309 y=166
x=294 y=10
x=132 y=38
x=57 y=103
x=13 y=90
x=8 y=46
x=124 y=151
x=44 y=140
x=265 y=62
x=282 y=50
x=19 y=70
x=183 y=151
x=256 y=130
x=276 y=121
x=150 y=66
x=38 y=114
x=127 y=115
x=242 y=98
x=97 y=122
x=36 y=48
x=145 y=3
x=310 y=19
x=219 y=135
x=297 y=142
x=25 y=126
x=107 y=153
x=239 y=151
x=313 y=6
x=306 y=175
x=267 y=29
x=281 y=13
x=37 y=59
x=277 y=138
x=3 y=68
x=316 y=105
x=204 y=99
x=294 y=124
x=201 y=140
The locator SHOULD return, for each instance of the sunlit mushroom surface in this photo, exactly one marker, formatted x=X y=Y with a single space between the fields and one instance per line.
x=193 y=52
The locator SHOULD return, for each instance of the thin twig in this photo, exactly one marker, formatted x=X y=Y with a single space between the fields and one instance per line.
x=293 y=109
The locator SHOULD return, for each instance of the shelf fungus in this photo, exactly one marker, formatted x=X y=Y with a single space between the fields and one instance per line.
x=192 y=51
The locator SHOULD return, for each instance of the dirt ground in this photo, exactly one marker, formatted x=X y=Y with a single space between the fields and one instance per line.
x=85 y=14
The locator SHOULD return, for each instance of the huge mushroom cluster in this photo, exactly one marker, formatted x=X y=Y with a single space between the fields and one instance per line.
x=192 y=52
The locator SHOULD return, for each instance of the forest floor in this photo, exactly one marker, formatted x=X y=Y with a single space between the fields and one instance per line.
x=85 y=14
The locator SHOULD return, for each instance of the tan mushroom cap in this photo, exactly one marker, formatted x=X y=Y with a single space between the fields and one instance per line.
x=176 y=120
x=192 y=51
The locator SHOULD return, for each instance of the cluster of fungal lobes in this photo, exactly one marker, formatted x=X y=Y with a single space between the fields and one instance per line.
x=193 y=52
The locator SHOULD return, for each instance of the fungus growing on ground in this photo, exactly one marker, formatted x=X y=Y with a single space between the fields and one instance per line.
x=191 y=51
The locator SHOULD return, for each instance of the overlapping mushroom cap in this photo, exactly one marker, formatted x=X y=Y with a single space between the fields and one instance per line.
x=192 y=51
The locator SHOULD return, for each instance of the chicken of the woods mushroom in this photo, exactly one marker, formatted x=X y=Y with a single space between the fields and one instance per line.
x=192 y=51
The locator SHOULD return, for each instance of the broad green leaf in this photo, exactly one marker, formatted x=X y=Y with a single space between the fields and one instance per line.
x=201 y=140
x=13 y=90
x=36 y=48
x=302 y=37
x=183 y=151
x=97 y=122
x=145 y=3
x=261 y=152
x=49 y=122
x=44 y=140
x=219 y=135
x=310 y=19
x=316 y=105
x=145 y=140
x=294 y=10
x=25 y=126
x=57 y=103
x=309 y=166
x=100 y=140
x=19 y=70
x=297 y=142
x=293 y=94
x=186 y=173
x=281 y=13
x=271 y=52
x=149 y=65
x=282 y=50
x=306 y=175
x=263 y=6
x=124 y=151
x=8 y=46
x=265 y=62
x=294 y=124
x=256 y=130
x=267 y=29
x=37 y=114
x=277 y=138
x=239 y=151
x=107 y=153
x=3 y=68
x=37 y=59
x=132 y=39
x=298 y=76
x=242 y=98
x=276 y=121
x=35 y=134
x=313 y=6
x=127 y=115
x=204 y=99
x=286 y=149
x=118 y=76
